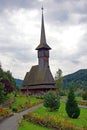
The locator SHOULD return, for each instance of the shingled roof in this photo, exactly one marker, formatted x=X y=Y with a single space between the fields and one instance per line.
x=38 y=78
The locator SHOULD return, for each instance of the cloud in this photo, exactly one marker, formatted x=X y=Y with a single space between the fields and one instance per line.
x=66 y=11
x=16 y=41
x=18 y=4
x=65 y=24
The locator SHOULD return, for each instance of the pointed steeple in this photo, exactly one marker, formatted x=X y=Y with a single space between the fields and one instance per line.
x=43 y=43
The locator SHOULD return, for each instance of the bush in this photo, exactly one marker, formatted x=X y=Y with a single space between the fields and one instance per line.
x=4 y=112
x=62 y=93
x=51 y=101
x=72 y=108
x=14 y=109
x=84 y=95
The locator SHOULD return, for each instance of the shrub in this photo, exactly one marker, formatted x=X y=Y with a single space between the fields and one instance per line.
x=84 y=95
x=40 y=97
x=51 y=101
x=14 y=109
x=4 y=112
x=72 y=108
x=62 y=93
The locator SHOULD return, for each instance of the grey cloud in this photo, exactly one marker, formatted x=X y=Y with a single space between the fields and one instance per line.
x=76 y=56
x=83 y=45
x=23 y=54
x=18 y=4
x=12 y=42
x=60 y=11
x=83 y=20
x=57 y=17
x=81 y=52
x=57 y=11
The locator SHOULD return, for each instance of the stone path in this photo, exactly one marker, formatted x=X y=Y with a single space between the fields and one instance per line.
x=82 y=106
x=11 y=123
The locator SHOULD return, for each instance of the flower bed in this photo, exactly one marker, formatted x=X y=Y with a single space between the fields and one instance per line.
x=4 y=113
x=25 y=106
x=82 y=102
x=50 y=122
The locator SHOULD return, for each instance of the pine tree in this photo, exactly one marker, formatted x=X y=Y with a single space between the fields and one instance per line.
x=72 y=108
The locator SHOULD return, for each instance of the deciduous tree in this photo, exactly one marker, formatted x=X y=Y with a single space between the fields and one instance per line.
x=2 y=93
x=59 y=80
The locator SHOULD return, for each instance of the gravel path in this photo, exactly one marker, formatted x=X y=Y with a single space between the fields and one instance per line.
x=11 y=123
x=64 y=100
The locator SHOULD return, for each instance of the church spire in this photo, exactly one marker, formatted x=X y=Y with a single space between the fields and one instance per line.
x=43 y=37
x=43 y=43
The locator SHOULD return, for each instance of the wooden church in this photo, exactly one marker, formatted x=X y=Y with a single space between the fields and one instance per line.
x=39 y=79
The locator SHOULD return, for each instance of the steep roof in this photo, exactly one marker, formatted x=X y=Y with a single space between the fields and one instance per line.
x=43 y=43
x=38 y=77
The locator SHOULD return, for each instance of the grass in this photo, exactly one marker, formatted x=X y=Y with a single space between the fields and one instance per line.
x=30 y=126
x=77 y=98
x=59 y=115
x=62 y=115
x=19 y=100
x=23 y=99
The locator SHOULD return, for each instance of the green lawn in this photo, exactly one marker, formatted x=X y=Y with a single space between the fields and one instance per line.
x=59 y=115
x=23 y=99
x=62 y=115
x=30 y=126
x=19 y=100
x=77 y=98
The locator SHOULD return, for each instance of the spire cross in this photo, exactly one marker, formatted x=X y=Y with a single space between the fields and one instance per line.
x=42 y=9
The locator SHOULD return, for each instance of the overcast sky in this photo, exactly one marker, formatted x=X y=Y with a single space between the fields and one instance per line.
x=66 y=34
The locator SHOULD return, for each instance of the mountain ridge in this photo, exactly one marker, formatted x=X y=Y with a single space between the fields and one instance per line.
x=18 y=82
x=78 y=79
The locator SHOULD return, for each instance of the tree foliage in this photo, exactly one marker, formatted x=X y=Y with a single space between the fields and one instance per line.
x=8 y=86
x=59 y=80
x=84 y=95
x=2 y=93
x=79 y=80
x=72 y=108
x=7 y=80
x=51 y=101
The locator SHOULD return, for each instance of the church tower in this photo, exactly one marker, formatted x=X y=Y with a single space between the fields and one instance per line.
x=43 y=48
x=39 y=79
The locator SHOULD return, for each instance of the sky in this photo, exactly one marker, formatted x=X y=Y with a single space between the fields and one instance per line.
x=66 y=33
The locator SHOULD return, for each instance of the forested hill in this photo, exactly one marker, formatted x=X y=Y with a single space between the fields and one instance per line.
x=18 y=82
x=78 y=79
